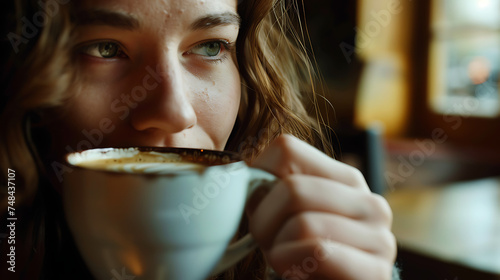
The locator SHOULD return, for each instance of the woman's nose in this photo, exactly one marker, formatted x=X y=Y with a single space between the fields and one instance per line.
x=167 y=105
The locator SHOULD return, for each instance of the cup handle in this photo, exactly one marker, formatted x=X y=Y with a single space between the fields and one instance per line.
x=239 y=249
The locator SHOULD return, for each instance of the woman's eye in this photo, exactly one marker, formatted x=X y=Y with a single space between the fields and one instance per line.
x=104 y=50
x=209 y=49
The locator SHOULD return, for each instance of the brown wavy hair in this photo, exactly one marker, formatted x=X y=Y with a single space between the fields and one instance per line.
x=279 y=78
x=278 y=84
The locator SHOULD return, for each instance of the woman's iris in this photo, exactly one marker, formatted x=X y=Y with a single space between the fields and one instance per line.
x=212 y=48
x=108 y=49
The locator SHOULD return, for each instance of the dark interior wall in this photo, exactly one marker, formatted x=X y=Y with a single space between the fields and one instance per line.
x=331 y=26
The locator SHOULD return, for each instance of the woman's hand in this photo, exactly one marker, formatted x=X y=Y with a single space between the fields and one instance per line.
x=320 y=221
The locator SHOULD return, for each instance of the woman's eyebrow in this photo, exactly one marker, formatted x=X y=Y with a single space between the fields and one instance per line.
x=128 y=21
x=213 y=20
x=104 y=17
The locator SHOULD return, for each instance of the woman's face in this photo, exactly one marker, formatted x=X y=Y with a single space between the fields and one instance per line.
x=155 y=73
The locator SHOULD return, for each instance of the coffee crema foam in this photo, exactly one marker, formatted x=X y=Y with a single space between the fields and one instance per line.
x=142 y=162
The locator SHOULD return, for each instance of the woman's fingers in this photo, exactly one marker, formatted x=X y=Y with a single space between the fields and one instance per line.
x=302 y=193
x=376 y=240
x=326 y=259
x=288 y=155
x=320 y=221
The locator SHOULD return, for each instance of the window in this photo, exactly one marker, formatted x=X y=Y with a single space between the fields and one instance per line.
x=464 y=64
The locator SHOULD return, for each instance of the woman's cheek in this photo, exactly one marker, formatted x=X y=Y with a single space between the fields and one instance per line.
x=217 y=104
x=88 y=116
x=96 y=70
x=227 y=98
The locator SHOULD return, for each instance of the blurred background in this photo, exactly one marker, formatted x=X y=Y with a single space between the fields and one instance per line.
x=416 y=106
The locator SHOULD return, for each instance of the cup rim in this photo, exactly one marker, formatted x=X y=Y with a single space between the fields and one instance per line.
x=233 y=158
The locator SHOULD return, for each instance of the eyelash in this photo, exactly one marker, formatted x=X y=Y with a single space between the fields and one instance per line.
x=95 y=45
x=226 y=47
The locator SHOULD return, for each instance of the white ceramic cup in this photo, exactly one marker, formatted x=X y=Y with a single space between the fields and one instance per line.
x=166 y=224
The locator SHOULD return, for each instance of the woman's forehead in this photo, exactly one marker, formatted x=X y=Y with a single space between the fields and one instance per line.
x=156 y=14
x=165 y=6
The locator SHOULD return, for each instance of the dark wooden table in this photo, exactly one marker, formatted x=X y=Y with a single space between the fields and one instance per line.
x=449 y=229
